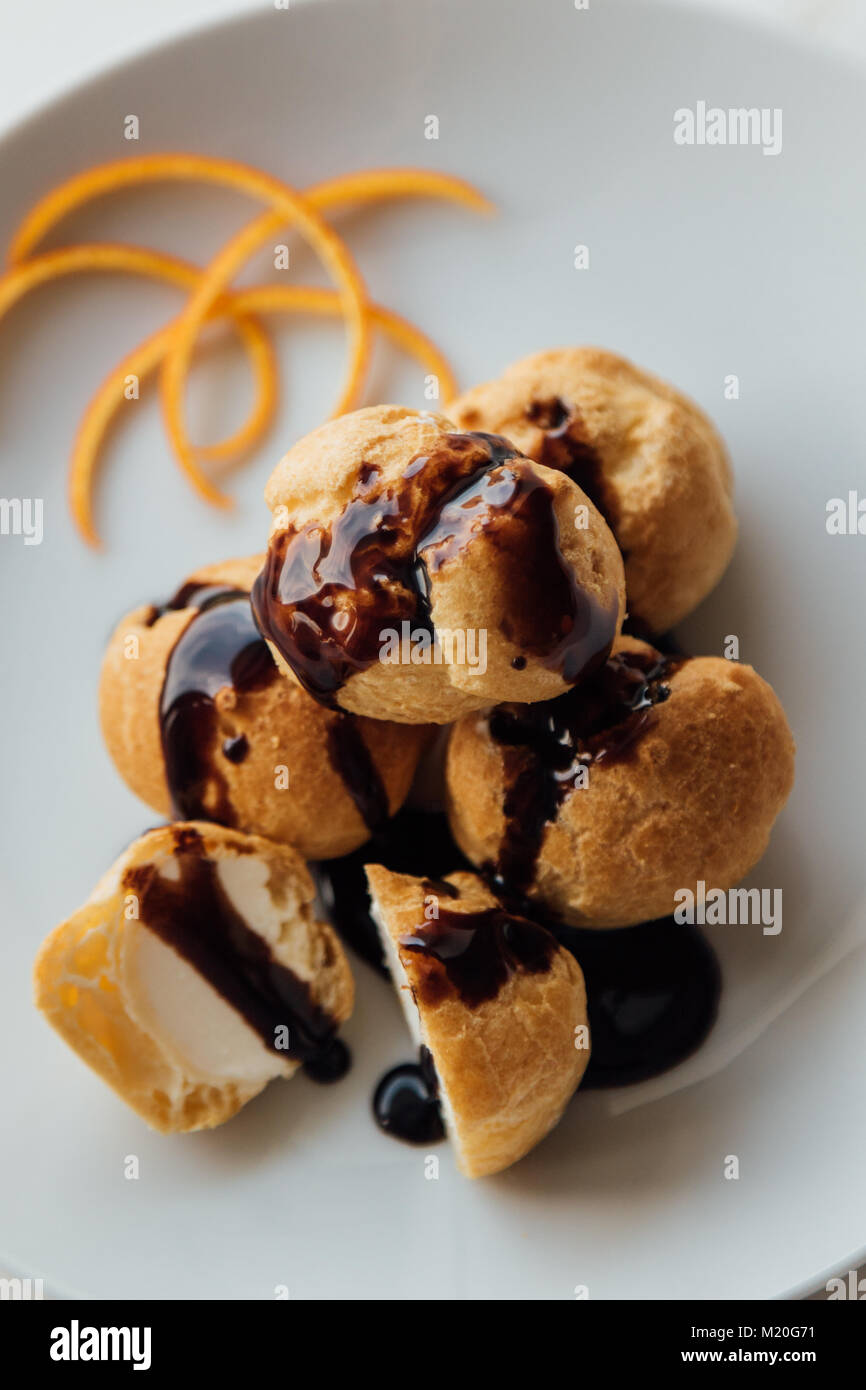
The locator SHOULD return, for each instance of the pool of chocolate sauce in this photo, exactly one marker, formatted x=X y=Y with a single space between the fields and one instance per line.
x=653 y=993
x=406 y=1102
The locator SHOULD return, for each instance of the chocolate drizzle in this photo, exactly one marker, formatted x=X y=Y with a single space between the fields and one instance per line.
x=351 y=758
x=547 y=614
x=406 y=1102
x=566 y=448
x=413 y=842
x=236 y=749
x=327 y=594
x=330 y=1063
x=219 y=648
x=195 y=917
x=546 y=745
x=473 y=954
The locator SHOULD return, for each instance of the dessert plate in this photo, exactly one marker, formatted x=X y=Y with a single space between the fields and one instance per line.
x=705 y=263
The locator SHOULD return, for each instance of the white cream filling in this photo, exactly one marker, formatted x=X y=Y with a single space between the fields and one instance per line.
x=190 y=1021
x=244 y=880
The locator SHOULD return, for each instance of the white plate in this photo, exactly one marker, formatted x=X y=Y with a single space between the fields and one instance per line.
x=704 y=262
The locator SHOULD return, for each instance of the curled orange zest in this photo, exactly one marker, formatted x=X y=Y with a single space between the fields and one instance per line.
x=147 y=357
x=156 y=265
x=173 y=346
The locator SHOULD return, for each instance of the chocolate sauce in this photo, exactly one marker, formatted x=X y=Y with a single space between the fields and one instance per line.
x=406 y=1102
x=330 y=1064
x=195 y=917
x=326 y=594
x=440 y=888
x=193 y=594
x=220 y=647
x=652 y=992
x=566 y=448
x=351 y=758
x=546 y=745
x=413 y=842
x=223 y=647
x=236 y=749
x=547 y=614
x=473 y=954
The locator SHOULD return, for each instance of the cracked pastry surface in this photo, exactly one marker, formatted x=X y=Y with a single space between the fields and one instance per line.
x=649 y=458
x=172 y=980
x=686 y=765
x=200 y=723
x=498 y=1004
x=387 y=522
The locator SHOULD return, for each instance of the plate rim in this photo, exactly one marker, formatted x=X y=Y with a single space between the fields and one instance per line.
x=815 y=48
